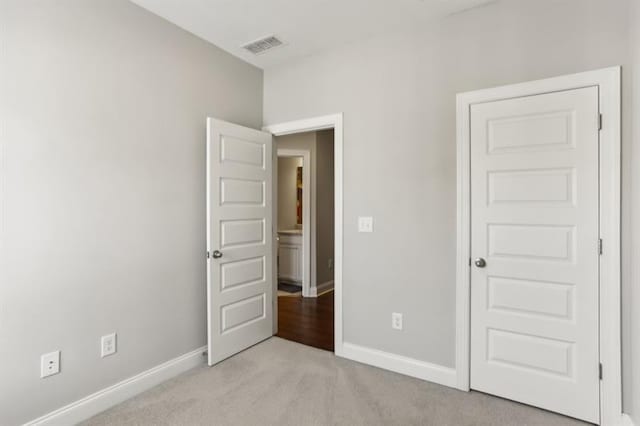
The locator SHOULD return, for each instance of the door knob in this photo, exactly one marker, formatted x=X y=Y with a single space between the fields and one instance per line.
x=217 y=254
x=480 y=262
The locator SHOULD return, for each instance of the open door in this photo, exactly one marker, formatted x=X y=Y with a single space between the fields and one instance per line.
x=239 y=238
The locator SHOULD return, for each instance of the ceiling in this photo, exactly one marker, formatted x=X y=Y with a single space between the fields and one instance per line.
x=306 y=26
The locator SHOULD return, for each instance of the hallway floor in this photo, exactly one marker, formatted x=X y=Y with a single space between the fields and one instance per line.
x=307 y=320
x=278 y=382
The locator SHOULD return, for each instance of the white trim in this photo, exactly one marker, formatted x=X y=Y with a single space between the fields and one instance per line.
x=626 y=420
x=401 y=364
x=100 y=401
x=307 y=226
x=321 y=288
x=608 y=81
x=308 y=125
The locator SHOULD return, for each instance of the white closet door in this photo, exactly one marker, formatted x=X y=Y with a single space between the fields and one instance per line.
x=534 y=210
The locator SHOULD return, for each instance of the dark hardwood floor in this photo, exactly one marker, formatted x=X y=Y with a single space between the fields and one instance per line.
x=307 y=320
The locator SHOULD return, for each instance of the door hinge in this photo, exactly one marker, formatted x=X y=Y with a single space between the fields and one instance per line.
x=600 y=249
x=599 y=121
x=600 y=371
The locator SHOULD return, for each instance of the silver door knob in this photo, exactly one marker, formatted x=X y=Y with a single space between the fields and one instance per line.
x=217 y=254
x=480 y=262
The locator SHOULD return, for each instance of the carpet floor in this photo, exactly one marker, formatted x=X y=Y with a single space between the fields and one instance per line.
x=278 y=382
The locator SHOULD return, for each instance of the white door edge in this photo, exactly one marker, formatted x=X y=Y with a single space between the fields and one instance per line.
x=609 y=84
x=335 y=122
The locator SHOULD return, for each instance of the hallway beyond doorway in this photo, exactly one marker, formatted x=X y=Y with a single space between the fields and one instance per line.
x=307 y=320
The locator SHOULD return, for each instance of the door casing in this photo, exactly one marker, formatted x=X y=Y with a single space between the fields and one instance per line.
x=608 y=82
x=310 y=125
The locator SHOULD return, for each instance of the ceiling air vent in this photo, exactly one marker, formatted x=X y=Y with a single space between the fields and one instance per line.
x=263 y=45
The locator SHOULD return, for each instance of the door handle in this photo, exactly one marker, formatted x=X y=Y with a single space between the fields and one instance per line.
x=480 y=262
x=217 y=254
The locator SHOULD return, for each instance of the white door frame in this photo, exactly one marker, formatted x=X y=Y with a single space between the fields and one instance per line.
x=608 y=82
x=307 y=229
x=309 y=125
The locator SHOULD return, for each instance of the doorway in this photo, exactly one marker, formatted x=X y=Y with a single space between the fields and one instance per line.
x=538 y=250
x=241 y=263
x=304 y=194
x=335 y=123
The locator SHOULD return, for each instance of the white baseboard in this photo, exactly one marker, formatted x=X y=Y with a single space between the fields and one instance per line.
x=108 y=397
x=400 y=364
x=626 y=420
x=321 y=288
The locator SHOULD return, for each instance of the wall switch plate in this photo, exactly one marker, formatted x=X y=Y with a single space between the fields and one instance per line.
x=49 y=364
x=396 y=321
x=109 y=345
x=365 y=224
x=330 y=264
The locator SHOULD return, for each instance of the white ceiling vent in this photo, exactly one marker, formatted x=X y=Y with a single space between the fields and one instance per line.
x=263 y=45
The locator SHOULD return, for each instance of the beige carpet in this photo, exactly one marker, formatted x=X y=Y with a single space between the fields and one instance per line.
x=283 y=383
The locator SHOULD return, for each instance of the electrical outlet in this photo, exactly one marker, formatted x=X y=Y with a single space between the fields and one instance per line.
x=365 y=224
x=396 y=321
x=49 y=364
x=109 y=345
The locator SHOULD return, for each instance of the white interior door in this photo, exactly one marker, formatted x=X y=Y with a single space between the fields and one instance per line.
x=239 y=238
x=534 y=222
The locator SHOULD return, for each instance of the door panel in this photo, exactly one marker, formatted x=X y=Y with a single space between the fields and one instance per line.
x=537 y=187
x=239 y=226
x=534 y=219
x=543 y=298
x=241 y=232
x=242 y=272
x=241 y=192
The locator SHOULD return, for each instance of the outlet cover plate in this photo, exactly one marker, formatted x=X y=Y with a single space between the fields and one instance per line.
x=396 y=321
x=49 y=364
x=109 y=345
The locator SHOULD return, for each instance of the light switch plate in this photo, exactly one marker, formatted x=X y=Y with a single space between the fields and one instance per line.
x=365 y=224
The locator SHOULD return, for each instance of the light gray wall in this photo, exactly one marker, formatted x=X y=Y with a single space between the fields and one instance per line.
x=103 y=191
x=287 y=192
x=324 y=205
x=398 y=98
